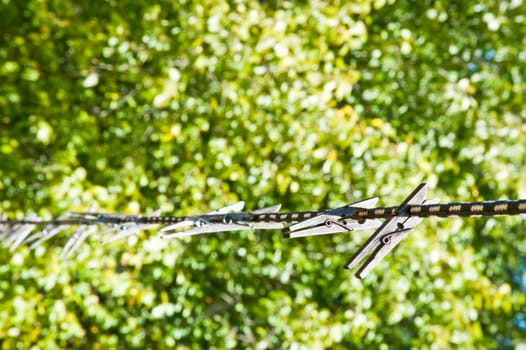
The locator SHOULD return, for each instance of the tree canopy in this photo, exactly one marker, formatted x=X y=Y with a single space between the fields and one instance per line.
x=188 y=106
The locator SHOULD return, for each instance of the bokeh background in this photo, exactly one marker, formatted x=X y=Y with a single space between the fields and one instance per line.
x=185 y=106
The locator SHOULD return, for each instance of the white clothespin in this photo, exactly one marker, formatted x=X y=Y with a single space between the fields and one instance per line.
x=19 y=233
x=332 y=223
x=202 y=226
x=236 y=207
x=45 y=233
x=129 y=228
x=77 y=238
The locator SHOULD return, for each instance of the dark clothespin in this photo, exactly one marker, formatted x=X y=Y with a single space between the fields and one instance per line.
x=389 y=234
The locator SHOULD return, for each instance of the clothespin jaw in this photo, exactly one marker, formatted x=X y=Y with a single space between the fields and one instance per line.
x=388 y=235
x=43 y=235
x=332 y=221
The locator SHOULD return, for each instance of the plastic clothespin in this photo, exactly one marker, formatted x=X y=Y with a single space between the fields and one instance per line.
x=204 y=227
x=389 y=234
x=332 y=222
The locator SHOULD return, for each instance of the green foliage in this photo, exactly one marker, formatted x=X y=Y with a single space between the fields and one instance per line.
x=189 y=106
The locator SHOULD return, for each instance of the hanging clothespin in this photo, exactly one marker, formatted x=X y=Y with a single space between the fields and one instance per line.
x=332 y=221
x=77 y=238
x=389 y=234
x=197 y=221
x=130 y=228
x=199 y=225
x=43 y=235
x=17 y=234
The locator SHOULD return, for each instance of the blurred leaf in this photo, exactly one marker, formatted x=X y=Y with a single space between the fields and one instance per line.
x=190 y=106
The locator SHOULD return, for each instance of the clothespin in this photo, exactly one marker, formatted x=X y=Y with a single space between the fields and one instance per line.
x=112 y=220
x=17 y=234
x=130 y=228
x=77 y=238
x=332 y=221
x=236 y=207
x=45 y=233
x=389 y=234
x=201 y=226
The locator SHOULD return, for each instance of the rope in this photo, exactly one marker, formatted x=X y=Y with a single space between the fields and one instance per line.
x=487 y=208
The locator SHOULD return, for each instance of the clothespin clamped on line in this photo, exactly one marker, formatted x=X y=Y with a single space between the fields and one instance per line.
x=392 y=232
x=199 y=225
